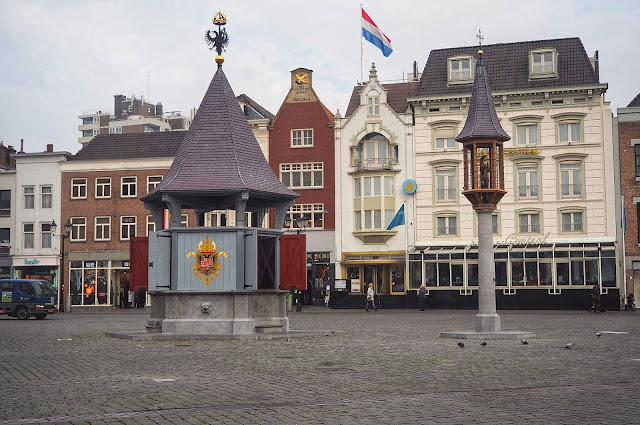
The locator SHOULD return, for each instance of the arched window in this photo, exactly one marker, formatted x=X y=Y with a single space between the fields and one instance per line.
x=375 y=152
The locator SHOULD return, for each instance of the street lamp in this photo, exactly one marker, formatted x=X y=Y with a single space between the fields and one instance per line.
x=67 y=231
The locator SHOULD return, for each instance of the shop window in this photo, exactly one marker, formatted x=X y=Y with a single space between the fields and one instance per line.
x=27 y=235
x=103 y=187
x=46 y=197
x=29 y=197
x=78 y=229
x=79 y=188
x=102 y=229
x=501 y=273
x=5 y=203
x=128 y=187
x=45 y=235
x=127 y=227
x=152 y=182
x=415 y=274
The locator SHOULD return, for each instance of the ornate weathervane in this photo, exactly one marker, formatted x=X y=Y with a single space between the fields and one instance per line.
x=480 y=39
x=220 y=40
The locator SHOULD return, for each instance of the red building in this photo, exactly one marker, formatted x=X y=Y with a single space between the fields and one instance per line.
x=301 y=153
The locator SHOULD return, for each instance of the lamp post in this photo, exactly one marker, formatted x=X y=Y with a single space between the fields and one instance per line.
x=67 y=230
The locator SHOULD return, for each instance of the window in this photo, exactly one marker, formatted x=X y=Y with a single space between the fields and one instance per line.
x=115 y=130
x=306 y=216
x=78 y=188
x=495 y=228
x=78 y=229
x=103 y=229
x=103 y=187
x=96 y=119
x=373 y=104
x=29 y=197
x=637 y=148
x=46 y=196
x=128 y=187
x=184 y=220
x=446 y=185
x=371 y=211
x=527 y=134
x=529 y=222
x=528 y=181
x=95 y=131
x=152 y=182
x=460 y=71
x=374 y=152
x=542 y=63
x=444 y=136
x=27 y=230
x=571 y=221
x=5 y=203
x=127 y=227
x=151 y=225
x=446 y=224
x=302 y=138
x=571 y=179
x=569 y=131
x=303 y=176
x=45 y=236
x=218 y=218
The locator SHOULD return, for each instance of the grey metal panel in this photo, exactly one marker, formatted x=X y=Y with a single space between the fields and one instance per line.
x=250 y=265
x=159 y=265
x=187 y=242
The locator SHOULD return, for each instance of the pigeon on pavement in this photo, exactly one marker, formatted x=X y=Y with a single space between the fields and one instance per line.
x=524 y=342
x=569 y=345
x=598 y=334
x=461 y=344
x=483 y=343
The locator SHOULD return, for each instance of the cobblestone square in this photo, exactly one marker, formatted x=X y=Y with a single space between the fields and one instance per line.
x=384 y=367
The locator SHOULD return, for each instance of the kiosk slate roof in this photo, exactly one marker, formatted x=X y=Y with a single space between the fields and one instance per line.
x=482 y=121
x=219 y=154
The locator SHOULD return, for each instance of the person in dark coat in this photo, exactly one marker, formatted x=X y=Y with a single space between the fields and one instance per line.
x=422 y=297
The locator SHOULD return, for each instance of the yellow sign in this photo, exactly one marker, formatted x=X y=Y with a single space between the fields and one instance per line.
x=207 y=264
x=523 y=151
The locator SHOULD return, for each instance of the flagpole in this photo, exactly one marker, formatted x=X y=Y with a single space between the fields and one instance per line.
x=361 y=72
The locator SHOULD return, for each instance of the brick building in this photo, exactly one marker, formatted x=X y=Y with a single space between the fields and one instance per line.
x=301 y=153
x=628 y=135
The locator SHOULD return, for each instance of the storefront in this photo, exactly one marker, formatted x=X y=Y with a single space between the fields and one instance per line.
x=320 y=275
x=99 y=282
x=527 y=276
x=41 y=267
x=385 y=270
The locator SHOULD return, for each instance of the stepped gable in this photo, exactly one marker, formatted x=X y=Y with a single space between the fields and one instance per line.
x=220 y=155
x=482 y=121
x=131 y=146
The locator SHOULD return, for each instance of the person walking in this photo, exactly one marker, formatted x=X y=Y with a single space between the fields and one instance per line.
x=422 y=297
x=370 y=298
x=595 y=298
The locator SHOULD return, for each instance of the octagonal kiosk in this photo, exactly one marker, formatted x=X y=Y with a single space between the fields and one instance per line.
x=221 y=280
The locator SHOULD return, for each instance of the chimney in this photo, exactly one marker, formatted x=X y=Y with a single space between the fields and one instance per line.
x=21 y=145
x=50 y=147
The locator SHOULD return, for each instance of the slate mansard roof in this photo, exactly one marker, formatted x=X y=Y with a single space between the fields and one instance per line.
x=219 y=154
x=254 y=111
x=507 y=65
x=397 y=94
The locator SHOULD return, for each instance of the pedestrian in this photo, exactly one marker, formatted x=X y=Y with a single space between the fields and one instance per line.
x=422 y=297
x=595 y=298
x=370 y=298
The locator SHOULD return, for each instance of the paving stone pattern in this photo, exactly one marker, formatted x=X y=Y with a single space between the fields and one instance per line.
x=387 y=367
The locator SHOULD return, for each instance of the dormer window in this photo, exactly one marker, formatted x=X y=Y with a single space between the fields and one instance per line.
x=543 y=63
x=460 y=70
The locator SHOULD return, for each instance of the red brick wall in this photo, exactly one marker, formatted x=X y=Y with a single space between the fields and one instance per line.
x=293 y=116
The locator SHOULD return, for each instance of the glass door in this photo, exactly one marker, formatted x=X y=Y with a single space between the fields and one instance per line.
x=378 y=275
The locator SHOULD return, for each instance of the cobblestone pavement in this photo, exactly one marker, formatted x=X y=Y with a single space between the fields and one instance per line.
x=385 y=367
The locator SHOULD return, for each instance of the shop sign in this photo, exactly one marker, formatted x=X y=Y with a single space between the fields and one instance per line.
x=409 y=186
x=32 y=261
x=318 y=257
x=355 y=285
x=522 y=151
x=125 y=264
x=512 y=240
x=342 y=284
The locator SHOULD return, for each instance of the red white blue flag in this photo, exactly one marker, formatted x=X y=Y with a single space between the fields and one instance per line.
x=372 y=34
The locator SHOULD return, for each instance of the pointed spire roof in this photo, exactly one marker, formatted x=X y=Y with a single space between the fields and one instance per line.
x=482 y=120
x=219 y=155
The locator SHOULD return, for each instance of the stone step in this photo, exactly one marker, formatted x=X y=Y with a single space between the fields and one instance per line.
x=268 y=329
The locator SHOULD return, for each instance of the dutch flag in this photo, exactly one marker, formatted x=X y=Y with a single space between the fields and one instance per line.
x=372 y=34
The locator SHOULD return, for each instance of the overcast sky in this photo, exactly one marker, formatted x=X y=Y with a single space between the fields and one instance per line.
x=62 y=58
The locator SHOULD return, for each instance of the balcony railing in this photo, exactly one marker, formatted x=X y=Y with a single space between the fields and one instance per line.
x=373 y=164
x=542 y=69
x=446 y=195
x=530 y=191
x=573 y=189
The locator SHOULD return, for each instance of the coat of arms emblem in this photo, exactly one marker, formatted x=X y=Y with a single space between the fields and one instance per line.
x=207 y=263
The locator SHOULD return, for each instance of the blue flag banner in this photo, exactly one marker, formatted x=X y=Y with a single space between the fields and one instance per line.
x=398 y=220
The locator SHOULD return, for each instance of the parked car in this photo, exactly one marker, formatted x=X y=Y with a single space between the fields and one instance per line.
x=22 y=298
